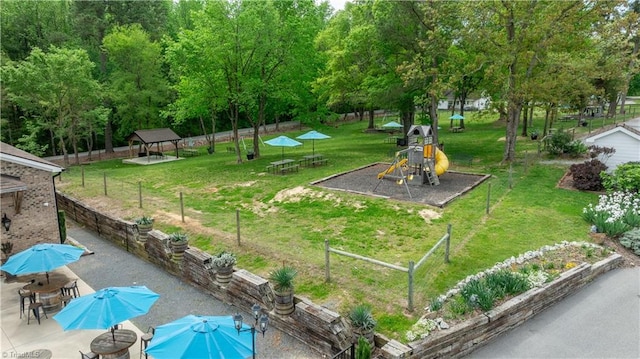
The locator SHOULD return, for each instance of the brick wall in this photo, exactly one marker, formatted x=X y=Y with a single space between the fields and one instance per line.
x=37 y=219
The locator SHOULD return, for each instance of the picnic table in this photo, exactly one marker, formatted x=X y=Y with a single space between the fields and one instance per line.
x=283 y=166
x=313 y=160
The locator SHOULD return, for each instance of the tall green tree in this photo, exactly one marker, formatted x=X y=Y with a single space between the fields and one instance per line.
x=57 y=90
x=517 y=36
x=137 y=85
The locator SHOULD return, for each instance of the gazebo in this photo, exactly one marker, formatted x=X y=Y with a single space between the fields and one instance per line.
x=148 y=138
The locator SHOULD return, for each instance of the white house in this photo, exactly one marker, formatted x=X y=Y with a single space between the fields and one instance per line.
x=624 y=138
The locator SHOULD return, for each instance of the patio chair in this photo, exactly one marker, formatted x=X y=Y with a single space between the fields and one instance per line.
x=35 y=307
x=89 y=355
x=65 y=299
x=71 y=288
x=25 y=294
x=145 y=339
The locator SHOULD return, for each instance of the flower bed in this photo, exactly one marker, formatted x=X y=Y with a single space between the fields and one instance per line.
x=552 y=273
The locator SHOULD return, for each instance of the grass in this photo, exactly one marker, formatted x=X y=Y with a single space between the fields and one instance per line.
x=283 y=219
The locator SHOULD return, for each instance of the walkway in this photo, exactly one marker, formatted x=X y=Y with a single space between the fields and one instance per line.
x=113 y=266
x=602 y=320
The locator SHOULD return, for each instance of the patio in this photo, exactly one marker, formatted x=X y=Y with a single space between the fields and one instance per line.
x=18 y=338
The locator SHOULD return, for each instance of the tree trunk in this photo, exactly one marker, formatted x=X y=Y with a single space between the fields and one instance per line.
x=371 y=119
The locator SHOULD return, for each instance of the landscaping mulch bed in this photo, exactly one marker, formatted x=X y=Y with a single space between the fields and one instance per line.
x=365 y=180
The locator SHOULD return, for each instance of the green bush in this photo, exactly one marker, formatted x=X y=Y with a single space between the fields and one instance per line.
x=507 y=282
x=631 y=240
x=364 y=349
x=477 y=294
x=560 y=142
x=626 y=177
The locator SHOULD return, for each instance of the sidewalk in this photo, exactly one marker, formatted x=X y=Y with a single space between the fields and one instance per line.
x=18 y=338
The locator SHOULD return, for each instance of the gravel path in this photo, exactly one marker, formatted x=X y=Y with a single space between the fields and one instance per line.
x=113 y=266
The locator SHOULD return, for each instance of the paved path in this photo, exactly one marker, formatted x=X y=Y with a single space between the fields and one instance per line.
x=113 y=266
x=600 y=321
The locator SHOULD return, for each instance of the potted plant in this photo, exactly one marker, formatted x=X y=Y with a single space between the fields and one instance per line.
x=145 y=225
x=178 y=242
x=224 y=263
x=282 y=281
x=534 y=135
x=250 y=154
x=362 y=322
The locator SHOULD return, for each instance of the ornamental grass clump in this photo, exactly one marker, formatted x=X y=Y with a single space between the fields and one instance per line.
x=615 y=213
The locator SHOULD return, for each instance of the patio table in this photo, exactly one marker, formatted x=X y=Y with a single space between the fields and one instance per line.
x=108 y=348
x=49 y=294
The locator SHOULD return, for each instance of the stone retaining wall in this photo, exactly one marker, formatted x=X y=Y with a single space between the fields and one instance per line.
x=318 y=327
x=463 y=338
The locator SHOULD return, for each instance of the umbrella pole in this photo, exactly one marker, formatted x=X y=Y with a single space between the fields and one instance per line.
x=47 y=274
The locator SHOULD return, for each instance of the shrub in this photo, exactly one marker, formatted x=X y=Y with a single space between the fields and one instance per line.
x=631 y=240
x=364 y=349
x=576 y=148
x=559 y=142
x=224 y=259
x=178 y=237
x=144 y=220
x=626 y=178
x=615 y=213
x=507 y=282
x=361 y=317
x=586 y=176
x=282 y=278
x=477 y=294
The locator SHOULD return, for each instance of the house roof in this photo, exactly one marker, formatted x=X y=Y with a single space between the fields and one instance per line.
x=15 y=155
x=10 y=184
x=154 y=136
x=628 y=130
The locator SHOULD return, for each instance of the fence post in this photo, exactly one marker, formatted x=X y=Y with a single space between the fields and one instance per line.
x=105 y=183
x=139 y=194
x=181 y=207
x=488 y=197
x=446 y=248
x=327 y=272
x=238 y=225
x=82 y=168
x=410 y=272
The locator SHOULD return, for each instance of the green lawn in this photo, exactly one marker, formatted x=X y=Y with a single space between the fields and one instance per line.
x=286 y=220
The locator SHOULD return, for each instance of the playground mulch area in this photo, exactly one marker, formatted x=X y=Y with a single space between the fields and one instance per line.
x=365 y=181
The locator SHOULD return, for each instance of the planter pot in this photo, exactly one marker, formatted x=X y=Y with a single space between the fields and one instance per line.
x=178 y=248
x=534 y=137
x=284 y=302
x=224 y=274
x=250 y=156
x=210 y=150
x=367 y=334
x=143 y=231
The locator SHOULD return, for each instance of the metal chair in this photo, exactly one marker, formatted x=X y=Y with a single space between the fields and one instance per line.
x=89 y=355
x=71 y=288
x=25 y=294
x=145 y=339
x=35 y=307
x=65 y=299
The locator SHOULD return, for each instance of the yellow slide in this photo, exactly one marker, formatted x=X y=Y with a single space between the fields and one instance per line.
x=442 y=162
x=393 y=167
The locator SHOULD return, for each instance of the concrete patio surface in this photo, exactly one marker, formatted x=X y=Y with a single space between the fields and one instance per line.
x=19 y=339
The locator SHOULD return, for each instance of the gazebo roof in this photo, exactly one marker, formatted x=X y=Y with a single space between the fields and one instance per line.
x=154 y=136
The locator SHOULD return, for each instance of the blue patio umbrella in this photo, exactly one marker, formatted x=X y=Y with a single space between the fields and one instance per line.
x=43 y=257
x=282 y=141
x=313 y=136
x=106 y=307
x=456 y=117
x=197 y=336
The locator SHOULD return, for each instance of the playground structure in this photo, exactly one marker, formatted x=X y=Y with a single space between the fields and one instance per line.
x=421 y=158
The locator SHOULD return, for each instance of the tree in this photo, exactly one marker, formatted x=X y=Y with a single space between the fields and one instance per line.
x=57 y=89
x=137 y=85
x=517 y=37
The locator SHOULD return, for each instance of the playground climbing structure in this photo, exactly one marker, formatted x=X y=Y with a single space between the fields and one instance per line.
x=421 y=158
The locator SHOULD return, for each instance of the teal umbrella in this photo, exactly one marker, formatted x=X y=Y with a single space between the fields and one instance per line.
x=282 y=141
x=456 y=117
x=43 y=257
x=313 y=136
x=392 y=124
x=196 y=336
x=106 y=307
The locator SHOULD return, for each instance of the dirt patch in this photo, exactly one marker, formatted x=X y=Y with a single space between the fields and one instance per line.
x=365 y=181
